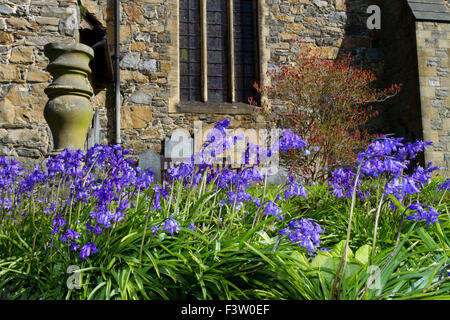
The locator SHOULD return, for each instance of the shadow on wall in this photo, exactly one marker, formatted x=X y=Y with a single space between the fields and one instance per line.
x=100 y=37
x=390 y=52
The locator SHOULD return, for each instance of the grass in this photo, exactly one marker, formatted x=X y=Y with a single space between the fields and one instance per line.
x=224 y=257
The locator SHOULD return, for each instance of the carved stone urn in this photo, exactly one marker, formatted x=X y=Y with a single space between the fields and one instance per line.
x=68 y=111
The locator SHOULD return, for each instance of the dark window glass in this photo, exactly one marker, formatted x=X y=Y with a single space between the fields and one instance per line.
x=244 y=50
x=217 y=50
x=190 y=48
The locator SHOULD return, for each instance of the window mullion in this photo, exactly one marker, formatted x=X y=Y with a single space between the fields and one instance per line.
x=231 y=51
x=204 y=54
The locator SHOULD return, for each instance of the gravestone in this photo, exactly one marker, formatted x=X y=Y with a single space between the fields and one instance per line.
x=278 y=177
x=151 y=159
x=179 y=147
x=93 y=136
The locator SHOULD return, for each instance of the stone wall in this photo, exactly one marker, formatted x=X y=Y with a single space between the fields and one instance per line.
x=149 y=62
x=148 y=34
x=25 y=27
x=327 y=28
x=433 y=43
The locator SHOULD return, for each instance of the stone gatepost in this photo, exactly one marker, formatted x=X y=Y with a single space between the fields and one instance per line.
x=69 y=111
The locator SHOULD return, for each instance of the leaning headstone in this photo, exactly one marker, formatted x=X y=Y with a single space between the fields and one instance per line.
x=279 y=177
x=151 y=159
x=93 y=136
x=180 y=146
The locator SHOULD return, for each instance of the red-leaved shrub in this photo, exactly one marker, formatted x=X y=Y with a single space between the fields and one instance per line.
x=327 y=102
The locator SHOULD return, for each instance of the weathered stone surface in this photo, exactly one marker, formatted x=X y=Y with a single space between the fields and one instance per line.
x=69 y=22
x=37 y=75
x=23 y=104
x=138 y=46
x=22 y=55
x=136 y=116
x=130 y=61
x=141 y=97
x=6 y=38
x=23 y=136
x=18 y=23
x=134 y=12
x=48 y=21
x=6 y=9
x=9 y=72
x=146 y=66
x=434 y=79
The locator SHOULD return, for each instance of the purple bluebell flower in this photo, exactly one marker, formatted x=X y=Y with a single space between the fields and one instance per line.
x=87 y=250
x=224 y=123
x=58 y=223
x=257 y=201
x=341 y=182
x=155 y=229
x=273 y=209
x=430 y=216
x=70 y=234
x=159 y=192
x=292 y=188
x=96 y=229
x=191 y=226
x=224 y=178
x=423 y=175
x=305 y=232
x=238 y=196
x=444 y=186
x=290 y=140
x=172 y=226
x=50 y=208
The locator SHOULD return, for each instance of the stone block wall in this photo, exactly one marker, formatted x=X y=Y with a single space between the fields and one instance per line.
x=433 y=44
x=148 y=63
x=148 y=34
x=327 y=28
x=25 y=27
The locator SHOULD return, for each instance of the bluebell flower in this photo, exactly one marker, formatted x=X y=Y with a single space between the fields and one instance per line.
x=87 y=250
x=224 y=178
x=58 y=223
x=430 y=216
x=444 y=186
x=223 y=123
x=304 y=232
x=144 y=179
x=292 y=188
x=155 y=229
x=70 y=234
x=257 y=201
x=238 y=196
x=290 y=140
x=159 y=192
x=341 y=182
x=273 y=209
x=172 y=226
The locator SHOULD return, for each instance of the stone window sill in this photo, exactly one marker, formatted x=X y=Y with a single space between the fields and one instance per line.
x=214 y=108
